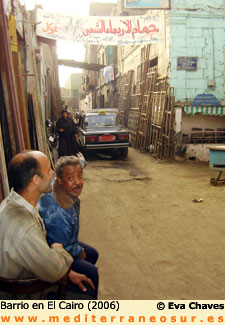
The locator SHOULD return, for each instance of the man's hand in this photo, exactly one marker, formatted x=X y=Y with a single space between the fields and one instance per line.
x=61 y=130
x=78 y=278
x=83 y=254
x=82 y=159
x=57 y=245
x=80 y=156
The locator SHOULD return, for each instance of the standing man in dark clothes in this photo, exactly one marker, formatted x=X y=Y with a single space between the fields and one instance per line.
x=68 y=134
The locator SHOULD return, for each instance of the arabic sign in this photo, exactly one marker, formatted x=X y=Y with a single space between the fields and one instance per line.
x=187 y=63
x=151 y=4
x=101 y=30
x=205 y=99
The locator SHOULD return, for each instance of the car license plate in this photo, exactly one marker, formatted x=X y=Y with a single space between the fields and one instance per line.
x=107 y=138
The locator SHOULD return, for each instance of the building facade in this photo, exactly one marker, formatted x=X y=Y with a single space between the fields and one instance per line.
x=191 y=59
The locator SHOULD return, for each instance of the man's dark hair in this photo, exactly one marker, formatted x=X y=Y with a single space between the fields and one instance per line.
x=64 y=110
x=20 y=173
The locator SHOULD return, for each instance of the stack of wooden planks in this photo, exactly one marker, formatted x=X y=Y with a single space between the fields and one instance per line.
x=162 y=124
x=125 y=96
x=155 y=131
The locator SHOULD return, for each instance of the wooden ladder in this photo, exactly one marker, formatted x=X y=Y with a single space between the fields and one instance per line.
x=142 y=120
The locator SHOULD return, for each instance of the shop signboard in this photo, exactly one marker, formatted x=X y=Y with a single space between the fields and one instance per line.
x=205 y=100
x=110 y=30
x=188 y=63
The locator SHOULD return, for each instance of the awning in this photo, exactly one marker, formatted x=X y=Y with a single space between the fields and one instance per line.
x=205 y=110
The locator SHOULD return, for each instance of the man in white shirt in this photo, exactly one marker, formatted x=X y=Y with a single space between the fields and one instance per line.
x=24 y=252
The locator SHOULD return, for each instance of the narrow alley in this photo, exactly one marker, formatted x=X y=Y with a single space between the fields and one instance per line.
x=141 y=82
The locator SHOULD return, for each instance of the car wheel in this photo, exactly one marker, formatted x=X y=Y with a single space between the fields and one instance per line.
x=124 y=152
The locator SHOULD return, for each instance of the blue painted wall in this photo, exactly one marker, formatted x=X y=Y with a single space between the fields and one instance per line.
x=197 y=29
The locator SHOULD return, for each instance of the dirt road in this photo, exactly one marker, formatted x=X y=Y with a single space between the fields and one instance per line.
x=154 y=242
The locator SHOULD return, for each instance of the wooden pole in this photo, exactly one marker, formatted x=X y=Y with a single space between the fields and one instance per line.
x=3 y=170
x=9 y=86
x=19 y=80
x=33 y=87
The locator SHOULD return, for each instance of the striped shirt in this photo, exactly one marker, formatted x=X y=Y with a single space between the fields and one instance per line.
x=24 y=252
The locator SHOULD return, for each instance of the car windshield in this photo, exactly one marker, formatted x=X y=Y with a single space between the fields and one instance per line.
x=100 y=120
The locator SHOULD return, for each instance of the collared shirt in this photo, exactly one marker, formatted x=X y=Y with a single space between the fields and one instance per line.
x=33 y=210
x=24 y=252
